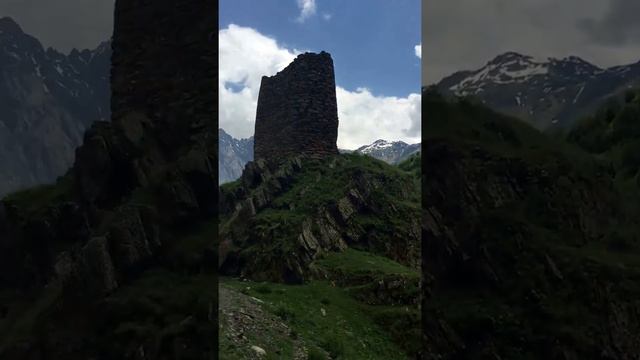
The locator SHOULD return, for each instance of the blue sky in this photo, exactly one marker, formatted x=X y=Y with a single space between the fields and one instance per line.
x=374 y=45
x=371 y=41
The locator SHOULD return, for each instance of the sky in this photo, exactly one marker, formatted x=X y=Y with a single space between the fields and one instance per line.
x=466 y=34
x=63 y=24
x=375 y=46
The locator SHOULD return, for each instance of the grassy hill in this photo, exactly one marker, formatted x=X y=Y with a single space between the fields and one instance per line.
x=331 y=247
x=530 y=250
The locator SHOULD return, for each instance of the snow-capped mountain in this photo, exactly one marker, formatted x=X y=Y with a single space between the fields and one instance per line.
x=392 y=152
x=47 y=100
x=233 y=154
x=549 y=92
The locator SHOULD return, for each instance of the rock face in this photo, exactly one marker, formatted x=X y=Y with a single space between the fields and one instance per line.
x=367 y=210
x=48 y=100
x=297 y=111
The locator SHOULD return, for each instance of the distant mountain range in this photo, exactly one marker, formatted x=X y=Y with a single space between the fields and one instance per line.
x=47 y=101
x=546 y=93
x=235 y=153
x=392 y=152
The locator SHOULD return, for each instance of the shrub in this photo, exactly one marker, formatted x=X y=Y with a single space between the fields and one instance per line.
x=316 y=354
x=284 y=313
x=334 y=346
x=263 y=289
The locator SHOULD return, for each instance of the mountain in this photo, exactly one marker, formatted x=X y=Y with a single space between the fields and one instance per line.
x=233 y=155
x=47 y=101
x=545 y=93
x=530 y=246
x=391 y=152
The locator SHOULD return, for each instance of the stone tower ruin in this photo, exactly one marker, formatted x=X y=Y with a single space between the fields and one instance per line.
x=297 y=112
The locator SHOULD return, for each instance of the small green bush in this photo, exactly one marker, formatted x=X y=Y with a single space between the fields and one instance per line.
x=263 y=289
x=316 y=354
x=334 y=346
x=284 y=313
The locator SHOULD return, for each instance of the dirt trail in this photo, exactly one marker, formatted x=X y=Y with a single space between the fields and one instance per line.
x=245 y=324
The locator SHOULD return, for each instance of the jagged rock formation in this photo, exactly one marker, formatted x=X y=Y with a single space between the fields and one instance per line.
x=48 y=100
x=297 y=111
x=547 y=93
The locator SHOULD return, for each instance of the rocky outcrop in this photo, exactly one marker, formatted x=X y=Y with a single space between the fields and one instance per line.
x=297 y=111
x=285 y=250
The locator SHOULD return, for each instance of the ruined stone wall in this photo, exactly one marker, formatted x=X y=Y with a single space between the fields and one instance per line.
x=163 y=106
x=164 y=65
x=297 y=112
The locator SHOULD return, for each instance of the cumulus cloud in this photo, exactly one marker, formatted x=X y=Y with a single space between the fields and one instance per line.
x=365 y=118
x=418 y=50
x=246 y=55
x=327 y=16
x=307 y=9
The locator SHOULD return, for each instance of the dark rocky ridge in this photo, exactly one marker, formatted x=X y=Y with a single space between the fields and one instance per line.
x=297 y=112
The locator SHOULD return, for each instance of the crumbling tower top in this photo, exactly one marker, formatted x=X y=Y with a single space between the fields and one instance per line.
x=297 y=112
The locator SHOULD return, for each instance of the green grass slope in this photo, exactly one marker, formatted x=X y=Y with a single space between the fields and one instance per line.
x=358 y=294
x=530 y=250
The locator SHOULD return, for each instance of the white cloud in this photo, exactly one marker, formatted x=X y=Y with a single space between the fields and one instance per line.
x=327 y=16
x=246 y=55
x=418 y=50
x=307 y=9
x=365 y=118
